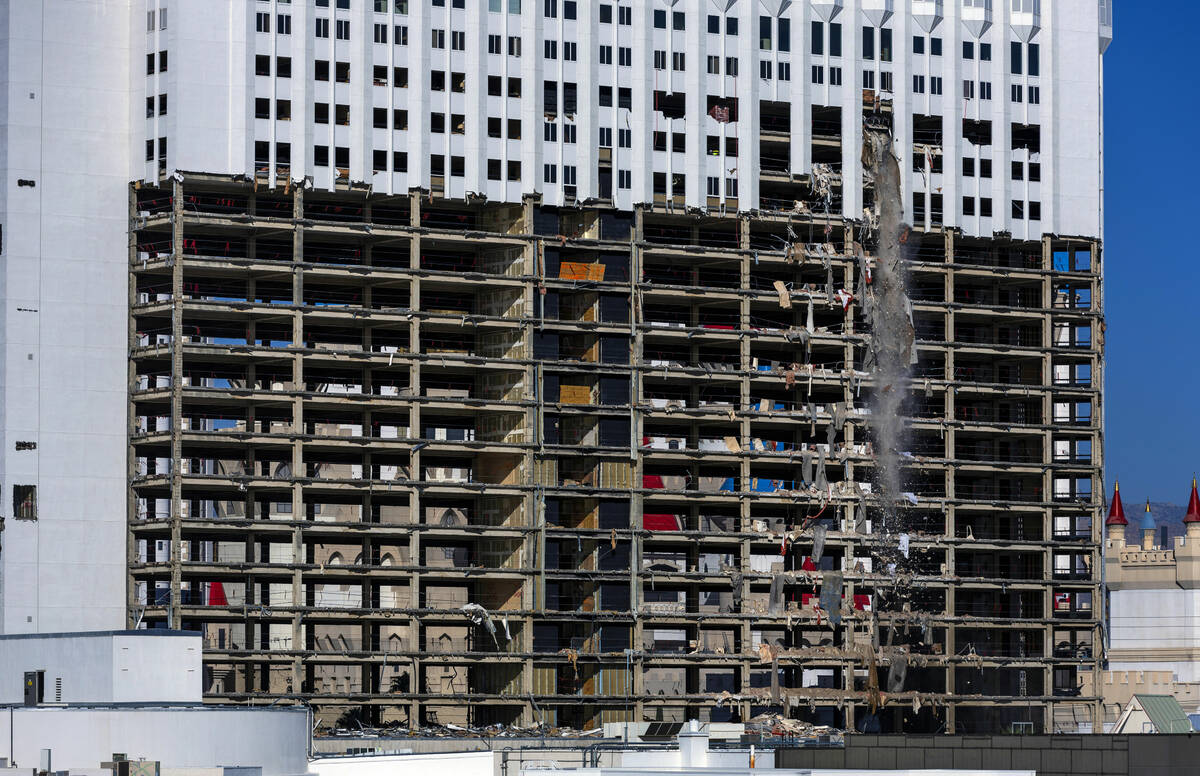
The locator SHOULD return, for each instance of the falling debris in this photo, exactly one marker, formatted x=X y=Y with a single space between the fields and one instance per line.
x=822 y=184
x=818 y=542
x=785 y=296
x=897 y=672
x=890 y=352
x=479 y=616
x=831 y=596
x=573 y=658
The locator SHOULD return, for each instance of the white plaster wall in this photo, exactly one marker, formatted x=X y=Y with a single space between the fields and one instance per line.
x=274 y=739
x=1154 y=619
x=104 y=667
x=157 y=668
x=1073 y=77
x=62 y=328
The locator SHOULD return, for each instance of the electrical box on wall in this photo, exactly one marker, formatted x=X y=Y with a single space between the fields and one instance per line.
x=33 y=687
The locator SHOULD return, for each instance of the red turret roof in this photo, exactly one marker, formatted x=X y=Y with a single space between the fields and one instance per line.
x=1116 y=512
x=1193 y=513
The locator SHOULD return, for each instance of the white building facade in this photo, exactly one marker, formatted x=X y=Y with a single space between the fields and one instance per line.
x=510 y=97
x=66 y=70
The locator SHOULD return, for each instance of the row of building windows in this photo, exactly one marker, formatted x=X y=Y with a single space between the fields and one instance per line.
x=550 y=174
x=283 y=66
x=159 y=106
x=818 y=73
x=935 y=45
x=162 y=149
x=1024 y=58
x=935 y=84
x=1031 y=171
x=985 y=51
x=496 y=46
x=151 y=26
x=714 y=187
x=497 y=170
x=569 y=50
x=985 y=90
x=1020 y=208
x=624 y=136
x=283 y=154
x=1033 y=66
x=928 y=131
x=679 y=143
x=885 y=80
x=160 y=66
x=818 y=39
x=624 y=14
x=714 y=25
x=714 y=64
x=437 y=81
x=511 y=129
x=550 y=8
x=571 y=132
x=625 y=57
x=1033 y=94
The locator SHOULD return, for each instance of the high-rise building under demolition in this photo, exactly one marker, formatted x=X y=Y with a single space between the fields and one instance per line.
x=510 y=361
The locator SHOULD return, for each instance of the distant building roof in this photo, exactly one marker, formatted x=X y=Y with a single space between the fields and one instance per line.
x=1147 y=520
x=1116 y=512
x=1163 y=711
x=1193 y=511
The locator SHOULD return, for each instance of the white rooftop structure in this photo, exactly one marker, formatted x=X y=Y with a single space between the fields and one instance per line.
x=137 y=693
x=103 y=667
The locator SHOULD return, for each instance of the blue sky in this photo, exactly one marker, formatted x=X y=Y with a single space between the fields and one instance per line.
x=1151 y=260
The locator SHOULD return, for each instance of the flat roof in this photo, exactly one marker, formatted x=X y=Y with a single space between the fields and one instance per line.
x=95 y=634
x=153 y=706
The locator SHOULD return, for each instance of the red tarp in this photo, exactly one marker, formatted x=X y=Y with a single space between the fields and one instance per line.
x=660 y=522
x=216 y=594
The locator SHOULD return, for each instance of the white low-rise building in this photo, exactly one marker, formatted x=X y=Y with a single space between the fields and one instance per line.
x=83 y=697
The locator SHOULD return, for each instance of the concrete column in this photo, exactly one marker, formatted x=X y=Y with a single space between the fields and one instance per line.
x=175 y=617
x=132 y=605
x=299 y=598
